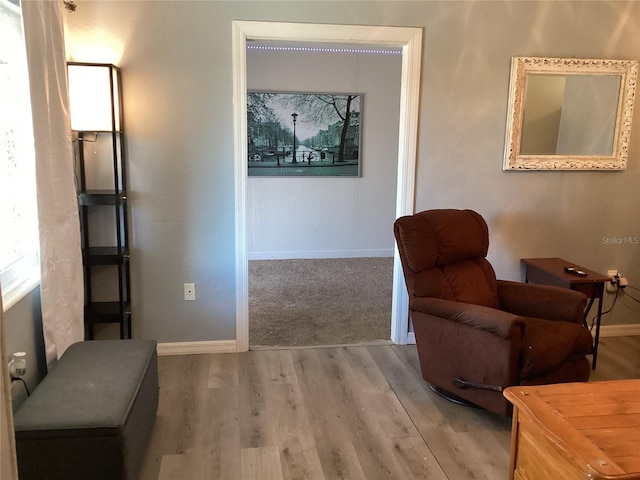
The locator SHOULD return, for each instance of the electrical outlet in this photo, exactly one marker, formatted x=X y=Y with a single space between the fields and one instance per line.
x=18 y=365
x=189 y=291
x=613 y=284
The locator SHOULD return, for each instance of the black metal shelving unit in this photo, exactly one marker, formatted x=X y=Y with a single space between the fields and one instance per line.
x=105 y=207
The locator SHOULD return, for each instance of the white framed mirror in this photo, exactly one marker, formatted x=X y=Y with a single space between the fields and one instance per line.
x=569 y=113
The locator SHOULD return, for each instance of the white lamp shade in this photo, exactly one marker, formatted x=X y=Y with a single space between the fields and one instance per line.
x=91 y=97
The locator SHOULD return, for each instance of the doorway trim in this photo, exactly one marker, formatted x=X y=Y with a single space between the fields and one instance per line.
x=410 y=40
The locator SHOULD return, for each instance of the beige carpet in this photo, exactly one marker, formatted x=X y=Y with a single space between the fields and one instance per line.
x=319 y=301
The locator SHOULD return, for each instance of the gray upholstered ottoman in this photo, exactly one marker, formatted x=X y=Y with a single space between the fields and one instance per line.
x=92 y=415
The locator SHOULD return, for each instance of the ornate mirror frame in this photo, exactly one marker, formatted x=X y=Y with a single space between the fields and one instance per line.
x=522 y=66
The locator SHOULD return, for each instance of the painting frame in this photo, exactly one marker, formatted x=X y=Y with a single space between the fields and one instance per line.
x=304 y=134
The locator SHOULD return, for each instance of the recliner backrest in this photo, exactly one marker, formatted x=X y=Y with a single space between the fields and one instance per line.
x=443 y=256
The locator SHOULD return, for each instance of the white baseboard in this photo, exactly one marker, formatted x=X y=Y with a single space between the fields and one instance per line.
x=619 y=330
x=298 y=255
x=229 y=346
x=194 y=348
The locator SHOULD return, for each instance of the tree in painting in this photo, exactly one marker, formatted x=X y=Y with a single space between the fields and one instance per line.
x=324 y=107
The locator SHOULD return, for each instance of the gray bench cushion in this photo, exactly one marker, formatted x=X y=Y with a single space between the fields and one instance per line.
x=92 y=415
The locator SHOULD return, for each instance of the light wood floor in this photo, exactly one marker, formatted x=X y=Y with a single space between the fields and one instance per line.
x=359 y=412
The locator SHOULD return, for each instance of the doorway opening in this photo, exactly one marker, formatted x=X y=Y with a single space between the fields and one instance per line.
x=409 y=40
x=319 y=244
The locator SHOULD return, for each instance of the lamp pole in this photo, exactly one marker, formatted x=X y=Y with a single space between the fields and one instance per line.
x=277 y=127
x=295 y=117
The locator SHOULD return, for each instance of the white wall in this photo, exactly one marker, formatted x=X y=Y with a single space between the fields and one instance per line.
x=322 y=217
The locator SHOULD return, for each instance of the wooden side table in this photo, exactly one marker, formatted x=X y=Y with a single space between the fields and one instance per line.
x=550 y=271
x=575 y=431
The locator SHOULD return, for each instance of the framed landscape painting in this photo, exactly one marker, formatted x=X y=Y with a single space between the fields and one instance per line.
x=304 y=134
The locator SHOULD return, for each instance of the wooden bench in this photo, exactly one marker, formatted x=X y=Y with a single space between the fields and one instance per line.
x=92 y=415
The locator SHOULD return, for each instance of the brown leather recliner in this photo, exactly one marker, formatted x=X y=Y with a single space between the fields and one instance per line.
x=477 y=335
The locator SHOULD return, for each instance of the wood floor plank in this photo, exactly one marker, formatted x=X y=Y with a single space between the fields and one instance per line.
x=279 y=366
x=287 y=413
x=261 y=463
x=223 y=370
x=416 y=459
x=459 y=419
x=446 y=430
x=256 y=428
x=361 y=395
x=217 y=422
x=329 y=392
x=299 y=457
x=334 y=447
x=376 y=397
x=408 y=386
x=340 y=461
x=618 y=358
x=181 y=372
x=290 y=418
x=283 y=401
x=352 y=413
x=150 y=468
x=182 y=466
x=175 y=407
x=200 y=466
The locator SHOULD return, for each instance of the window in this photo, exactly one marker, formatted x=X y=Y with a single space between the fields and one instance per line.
x=19 y=249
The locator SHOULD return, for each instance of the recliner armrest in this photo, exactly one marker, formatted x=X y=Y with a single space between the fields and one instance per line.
x=541 y=301
x=498 y=322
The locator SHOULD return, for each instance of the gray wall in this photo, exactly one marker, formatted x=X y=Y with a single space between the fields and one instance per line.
x=177 y=72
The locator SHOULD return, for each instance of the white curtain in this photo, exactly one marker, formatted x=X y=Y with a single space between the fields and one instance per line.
x=62 y=285
x=8 y=465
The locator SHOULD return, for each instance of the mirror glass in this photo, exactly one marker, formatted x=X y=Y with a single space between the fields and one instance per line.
x=569 y=114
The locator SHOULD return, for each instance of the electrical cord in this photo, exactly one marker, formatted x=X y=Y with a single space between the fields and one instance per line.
x=595 y=317
x=15 y=379
x=626 y=295
x=631 y=296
